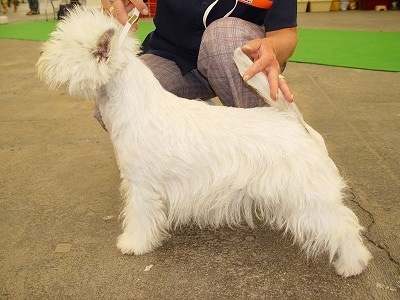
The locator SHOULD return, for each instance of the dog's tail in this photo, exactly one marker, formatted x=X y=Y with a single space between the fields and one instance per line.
x=260 y=83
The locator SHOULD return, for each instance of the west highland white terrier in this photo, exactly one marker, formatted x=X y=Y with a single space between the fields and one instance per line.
x=184 y=161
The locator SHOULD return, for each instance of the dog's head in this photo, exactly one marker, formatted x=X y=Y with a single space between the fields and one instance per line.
x=83 y=53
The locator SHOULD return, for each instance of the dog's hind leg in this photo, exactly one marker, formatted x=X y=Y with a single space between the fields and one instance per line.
x=321 y=222
x=351 y=256
x=144 y=220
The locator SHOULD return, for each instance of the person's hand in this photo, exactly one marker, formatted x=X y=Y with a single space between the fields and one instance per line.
x=263 y=54
x=120 y=9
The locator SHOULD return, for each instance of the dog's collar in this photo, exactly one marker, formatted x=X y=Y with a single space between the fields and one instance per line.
x=133 y=18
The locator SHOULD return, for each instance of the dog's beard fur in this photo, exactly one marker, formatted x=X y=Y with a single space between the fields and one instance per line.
x=183 y=161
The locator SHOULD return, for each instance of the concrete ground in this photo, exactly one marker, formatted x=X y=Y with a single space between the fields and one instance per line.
x=60 y=201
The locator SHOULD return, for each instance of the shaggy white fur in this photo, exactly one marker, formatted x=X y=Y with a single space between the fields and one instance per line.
x=184 y=161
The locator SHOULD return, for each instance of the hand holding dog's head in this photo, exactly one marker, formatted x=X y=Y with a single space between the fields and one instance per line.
x=83 y=53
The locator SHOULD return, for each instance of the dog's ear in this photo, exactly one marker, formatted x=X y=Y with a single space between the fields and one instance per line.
x=102 y=50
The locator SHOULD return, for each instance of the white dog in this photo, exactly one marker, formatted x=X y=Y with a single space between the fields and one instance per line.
x=185 y=161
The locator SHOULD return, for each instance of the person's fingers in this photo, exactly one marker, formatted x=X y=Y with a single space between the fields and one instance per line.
x=267 y=64
x=129 y=8
x=251 y=47
x=260 y=64
x=285 y=89
x=141 y=6
x=265 y=61
x=117 y=9
x=273 y=80
x=120 y=9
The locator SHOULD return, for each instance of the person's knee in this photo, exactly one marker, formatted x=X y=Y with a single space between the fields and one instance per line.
x=223 y=33
x=216 y=43
x=223 y=36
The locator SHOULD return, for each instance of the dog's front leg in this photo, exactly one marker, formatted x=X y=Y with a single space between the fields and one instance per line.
x=144 y=220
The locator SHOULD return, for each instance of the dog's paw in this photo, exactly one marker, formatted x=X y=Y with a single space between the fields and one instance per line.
x=129 y=245
x=352 y=263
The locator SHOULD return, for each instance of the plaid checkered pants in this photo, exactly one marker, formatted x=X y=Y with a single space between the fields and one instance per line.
x=216 y=73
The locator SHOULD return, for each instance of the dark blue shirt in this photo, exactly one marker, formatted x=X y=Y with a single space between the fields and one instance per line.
x=179 y=25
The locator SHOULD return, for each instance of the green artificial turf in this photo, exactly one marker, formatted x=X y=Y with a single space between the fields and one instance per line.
x=40 y=30
x=353 y=49
x=343 y=48
x=30 y=31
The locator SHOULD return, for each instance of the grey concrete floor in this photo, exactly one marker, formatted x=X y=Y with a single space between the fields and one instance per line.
x=59 y=198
